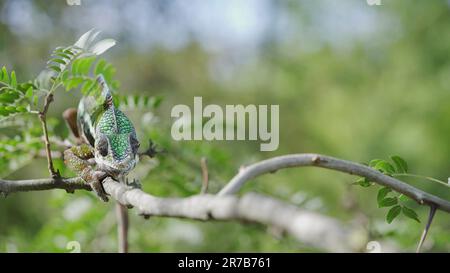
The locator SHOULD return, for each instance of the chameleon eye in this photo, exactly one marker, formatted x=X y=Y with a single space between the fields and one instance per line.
x=134 y=144
x=102 y=146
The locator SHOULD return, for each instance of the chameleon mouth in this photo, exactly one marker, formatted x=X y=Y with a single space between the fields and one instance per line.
x=115 y=167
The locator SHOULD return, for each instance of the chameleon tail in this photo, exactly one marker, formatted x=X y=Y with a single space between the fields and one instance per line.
x=106 y=92
x=91 y=108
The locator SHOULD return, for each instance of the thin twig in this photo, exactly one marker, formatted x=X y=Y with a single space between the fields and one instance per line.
x=427 y=227
x=205 y=179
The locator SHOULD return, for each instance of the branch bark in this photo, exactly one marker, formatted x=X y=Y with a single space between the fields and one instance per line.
x=315 y=160
x=68 y=184
x=309 y=227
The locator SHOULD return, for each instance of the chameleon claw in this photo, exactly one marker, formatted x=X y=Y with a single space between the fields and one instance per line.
x=152 y=150
x=134 y=184
x=56 y=174
x=97 y=185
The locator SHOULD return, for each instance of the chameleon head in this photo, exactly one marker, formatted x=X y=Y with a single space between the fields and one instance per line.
x=116 y=144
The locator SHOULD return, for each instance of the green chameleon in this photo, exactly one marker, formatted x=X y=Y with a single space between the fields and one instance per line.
x=107 y=140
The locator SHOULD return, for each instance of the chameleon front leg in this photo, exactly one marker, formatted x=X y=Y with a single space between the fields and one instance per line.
x=77 y=158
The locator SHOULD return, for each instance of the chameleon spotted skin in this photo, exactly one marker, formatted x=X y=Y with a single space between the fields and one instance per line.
x=111 y=145
x=117 y=128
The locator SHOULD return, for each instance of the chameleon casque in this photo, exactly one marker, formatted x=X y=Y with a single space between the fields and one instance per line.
x=107 y=138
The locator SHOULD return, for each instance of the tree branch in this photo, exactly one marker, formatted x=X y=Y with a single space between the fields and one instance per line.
x=301 y=160
x=68 y=184
x=308 y=227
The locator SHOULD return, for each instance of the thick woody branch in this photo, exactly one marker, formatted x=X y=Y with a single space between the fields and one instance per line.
x=312 y=228
x=308 y=227
x=301 y=160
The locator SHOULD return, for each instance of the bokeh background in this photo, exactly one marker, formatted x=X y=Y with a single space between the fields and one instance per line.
x=352 y=80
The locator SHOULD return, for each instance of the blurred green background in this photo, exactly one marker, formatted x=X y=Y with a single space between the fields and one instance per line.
x=352 y=80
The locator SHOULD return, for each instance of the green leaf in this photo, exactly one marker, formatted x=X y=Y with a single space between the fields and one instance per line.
x=101 y=46
x=87 y=86
x=157 y=101
x=115 y=85
x=29 y=92
x=136 y=100
x=385 y=167
x=64 y=55
x=10 y=108
x=108 y=71
x=410 y=213
x=9 y=96
x=35 y=100
x=73 y=83
x=400 y=164
x=363 y=182
x=55 y=68
x=100 y=67
x=76 y=66
x=85 y=39
x=56 y=60
x=13 y=79
x=382 y=193
x=374 y=162
x=3 y=111
x=59 y=49
x=64 y=75
x=21 y=109
x=5 y=76
x=388 y=202
x=146 y=100
x=23 y=87
x=404 y=198
x=69 y=51
x=85 y=65
x=393 y=213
